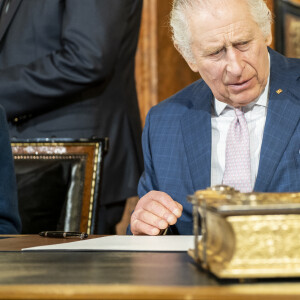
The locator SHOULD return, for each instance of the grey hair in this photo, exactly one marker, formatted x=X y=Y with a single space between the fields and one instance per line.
x=180 y=28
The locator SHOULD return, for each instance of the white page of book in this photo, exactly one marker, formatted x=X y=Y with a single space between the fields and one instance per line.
x=165 y=243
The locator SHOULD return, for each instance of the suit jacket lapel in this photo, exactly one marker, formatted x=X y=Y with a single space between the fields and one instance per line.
x=196 y=132
x=5 y=21
x=282 y=119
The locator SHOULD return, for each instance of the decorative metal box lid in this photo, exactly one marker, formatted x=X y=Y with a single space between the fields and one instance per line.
x=247 y=235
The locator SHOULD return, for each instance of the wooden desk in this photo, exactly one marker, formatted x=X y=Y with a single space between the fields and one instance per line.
x=118 y=275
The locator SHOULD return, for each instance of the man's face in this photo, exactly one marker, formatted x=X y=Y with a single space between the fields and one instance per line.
x=230 y=52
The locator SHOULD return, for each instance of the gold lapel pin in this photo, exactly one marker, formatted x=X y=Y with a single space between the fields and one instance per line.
x=279 y=91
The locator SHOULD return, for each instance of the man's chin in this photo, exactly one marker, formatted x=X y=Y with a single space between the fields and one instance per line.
x=241 y=103
x=238 y=102
x=242 y=99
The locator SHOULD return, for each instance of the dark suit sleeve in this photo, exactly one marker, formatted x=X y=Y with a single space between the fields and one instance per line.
x=91 y=34
x=148 y=180
x=9 y=215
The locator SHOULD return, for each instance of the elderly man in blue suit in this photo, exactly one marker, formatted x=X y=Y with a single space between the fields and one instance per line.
x=9 y=216
x=186 y=140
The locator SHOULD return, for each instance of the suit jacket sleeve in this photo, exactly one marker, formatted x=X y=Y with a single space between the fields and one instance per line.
x=148 y=180
x=91 y=34
x=9 y=215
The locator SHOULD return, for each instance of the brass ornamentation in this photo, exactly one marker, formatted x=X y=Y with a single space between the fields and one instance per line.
x=247 y=235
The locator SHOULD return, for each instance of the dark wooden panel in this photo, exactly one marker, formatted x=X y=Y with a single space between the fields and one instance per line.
x=173 y=72
x=270 y=4
x=120 y=275
x=146 y=59
x=160 y=69
x=170 y=269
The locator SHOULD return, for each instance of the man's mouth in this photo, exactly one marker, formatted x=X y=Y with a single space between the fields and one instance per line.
x=240 y=86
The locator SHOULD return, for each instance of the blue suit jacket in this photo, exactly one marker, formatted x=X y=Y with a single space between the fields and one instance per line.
x=177 y=141
x=9 y=215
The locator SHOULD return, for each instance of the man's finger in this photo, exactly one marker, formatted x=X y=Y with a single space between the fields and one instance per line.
x=141 y=228
x=166 y=201
x=160 y=211
x=151 y=219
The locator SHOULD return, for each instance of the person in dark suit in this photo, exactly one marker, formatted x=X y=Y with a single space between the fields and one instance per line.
x=185 y=139
x=67 y=71
x=9 y=217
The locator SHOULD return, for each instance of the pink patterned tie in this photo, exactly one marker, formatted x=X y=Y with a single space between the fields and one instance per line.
x=237 y=158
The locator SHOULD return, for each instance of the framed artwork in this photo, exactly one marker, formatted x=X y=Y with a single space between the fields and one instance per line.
x=287 y=27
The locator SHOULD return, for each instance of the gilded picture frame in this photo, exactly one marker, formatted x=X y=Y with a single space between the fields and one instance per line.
x=86 y=159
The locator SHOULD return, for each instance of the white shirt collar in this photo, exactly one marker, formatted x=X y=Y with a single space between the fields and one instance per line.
x=262 y=100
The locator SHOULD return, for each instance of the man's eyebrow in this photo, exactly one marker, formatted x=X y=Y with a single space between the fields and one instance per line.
x=242 y=40
x=212 y=49
x=247 y=36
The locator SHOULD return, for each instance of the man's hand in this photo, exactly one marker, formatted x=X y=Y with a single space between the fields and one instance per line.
x=154 y=212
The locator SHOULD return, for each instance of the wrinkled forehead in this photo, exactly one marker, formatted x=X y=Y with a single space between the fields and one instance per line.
x=222 y=25
x=214 y=40
x=201 y=3
x=212 y=7
x=203 y=20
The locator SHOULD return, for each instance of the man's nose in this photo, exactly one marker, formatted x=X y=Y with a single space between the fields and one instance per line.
x=235 y=64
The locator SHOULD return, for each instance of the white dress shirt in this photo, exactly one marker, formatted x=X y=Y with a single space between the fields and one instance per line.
x=222 y=115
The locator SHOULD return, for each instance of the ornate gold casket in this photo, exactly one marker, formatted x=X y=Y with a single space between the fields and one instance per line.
x=247 y=235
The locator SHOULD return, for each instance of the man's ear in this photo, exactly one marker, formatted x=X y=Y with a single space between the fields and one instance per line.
x=191 y=64
x=269 y=40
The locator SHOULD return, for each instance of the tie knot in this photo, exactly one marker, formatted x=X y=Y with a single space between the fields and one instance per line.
x=238 y=112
